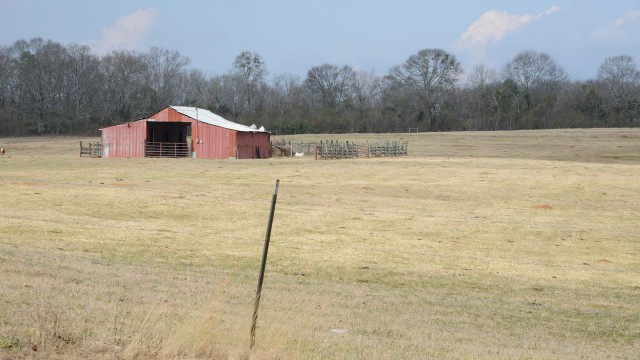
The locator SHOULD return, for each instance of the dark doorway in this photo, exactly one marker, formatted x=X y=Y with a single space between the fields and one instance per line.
x=168 y=139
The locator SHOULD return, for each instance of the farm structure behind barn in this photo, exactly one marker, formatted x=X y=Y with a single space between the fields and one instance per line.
x=180 y=131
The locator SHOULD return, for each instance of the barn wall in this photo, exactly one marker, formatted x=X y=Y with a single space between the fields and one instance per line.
x=209 y=141
x=124 y=141
x=233 y=141
x=214 y=141
x=253 y=145
x=169 y=114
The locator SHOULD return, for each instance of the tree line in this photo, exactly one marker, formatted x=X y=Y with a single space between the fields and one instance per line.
x=50 y=88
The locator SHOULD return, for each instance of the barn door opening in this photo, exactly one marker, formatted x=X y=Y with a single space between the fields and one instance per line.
x=168 y=139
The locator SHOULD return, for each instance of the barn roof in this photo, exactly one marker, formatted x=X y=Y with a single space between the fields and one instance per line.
x=208 y=117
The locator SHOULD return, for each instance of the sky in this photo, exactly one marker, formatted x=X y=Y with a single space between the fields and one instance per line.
x=293 y=36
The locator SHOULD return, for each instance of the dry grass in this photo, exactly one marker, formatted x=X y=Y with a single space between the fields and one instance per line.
x=507 y=245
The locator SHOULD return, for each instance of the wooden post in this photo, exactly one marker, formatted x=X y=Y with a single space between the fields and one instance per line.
x=263 y=266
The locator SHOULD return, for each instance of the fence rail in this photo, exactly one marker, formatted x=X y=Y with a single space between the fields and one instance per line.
x=352 y=149
x=304 y=147
x=164 y=149
x=92 y=150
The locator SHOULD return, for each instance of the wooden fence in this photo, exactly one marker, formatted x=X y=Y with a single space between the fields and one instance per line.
x=304 y=147
x=351 y=149
x=92 y=150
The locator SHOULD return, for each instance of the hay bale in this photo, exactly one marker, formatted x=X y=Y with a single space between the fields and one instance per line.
x=279 y=146
x=277 y=150
x=278 y=141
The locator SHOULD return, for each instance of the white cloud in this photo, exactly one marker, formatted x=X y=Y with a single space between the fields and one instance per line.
x=126 y=33
x=492 y=26
x=630 y=15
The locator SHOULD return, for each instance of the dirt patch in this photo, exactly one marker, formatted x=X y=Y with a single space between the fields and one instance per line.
x=544 y=207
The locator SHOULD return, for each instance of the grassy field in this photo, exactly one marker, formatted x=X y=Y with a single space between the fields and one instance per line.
x=496 y=245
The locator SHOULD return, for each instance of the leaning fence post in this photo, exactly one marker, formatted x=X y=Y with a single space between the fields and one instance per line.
x=263 y=265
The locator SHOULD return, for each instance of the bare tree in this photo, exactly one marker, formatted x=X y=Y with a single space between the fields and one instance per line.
x=621 y=81
x=428 y=74
x=82 y=86
x=125 y=93
x=251 y=70
x=289 y=105
x=197 y=89
x=330 y=83
x=41 y=77
x=48 y=88
x=286 y=89
x=7 y=88
x=482 y=81
x=166 y=72
x=366 y=92
x=539 y=80
x=585 y=105
x=532 y=70
x=482 y=76
x=226 y=90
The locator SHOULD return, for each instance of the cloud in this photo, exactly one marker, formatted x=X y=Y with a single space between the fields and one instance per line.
x=492 y=26
x=630 y=15
x=127 y=32
x=613 y=34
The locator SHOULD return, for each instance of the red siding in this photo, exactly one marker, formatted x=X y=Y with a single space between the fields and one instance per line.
x=253 y=145
x=214 y=141
x=209 y=141
x=124 y=141
x=233 y=141
x=169 y=114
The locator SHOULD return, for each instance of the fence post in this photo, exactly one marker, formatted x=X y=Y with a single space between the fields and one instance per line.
x=263 y=266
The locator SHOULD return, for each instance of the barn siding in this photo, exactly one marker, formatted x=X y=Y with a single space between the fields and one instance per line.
x=169 y=114
x=233 y=141
x=124 y=141
x=214 y=142
x=209 y=141
x=253 y=145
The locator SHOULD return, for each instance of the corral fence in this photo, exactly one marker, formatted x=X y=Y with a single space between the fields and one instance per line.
x=303 y=147
x=165 y=149
x=93 y=150
x=351 y=149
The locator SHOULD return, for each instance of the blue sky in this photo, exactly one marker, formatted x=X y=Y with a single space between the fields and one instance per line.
x=294 y=35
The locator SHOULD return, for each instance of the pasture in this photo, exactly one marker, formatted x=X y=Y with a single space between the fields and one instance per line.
x=494 y=245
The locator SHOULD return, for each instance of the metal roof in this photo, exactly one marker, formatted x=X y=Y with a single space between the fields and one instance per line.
x=208 y=117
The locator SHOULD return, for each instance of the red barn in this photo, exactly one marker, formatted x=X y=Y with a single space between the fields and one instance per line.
x=180 y=131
